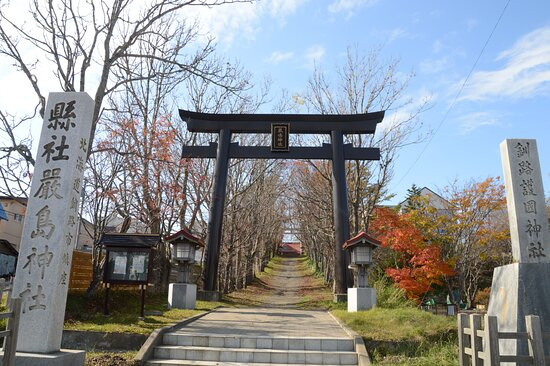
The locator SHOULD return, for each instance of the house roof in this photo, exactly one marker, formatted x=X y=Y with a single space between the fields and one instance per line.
x=21 y=200
x=119 y=240
x=184 y=234
x=7 y=248
x=362 y=237
x=294 y=247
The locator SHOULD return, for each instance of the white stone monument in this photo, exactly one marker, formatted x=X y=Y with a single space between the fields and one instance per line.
x=523 y=287
x=50 y=230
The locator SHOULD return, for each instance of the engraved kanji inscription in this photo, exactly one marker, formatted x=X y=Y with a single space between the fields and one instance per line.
x=44 y=225
x=530 y=207
x=49 y=184
x=41 y=260
x=536 y=250
x=61 y=114
x=528 y=187
x=522 y=149
x=532 y=228
x=50 y=149
x=525 y=168
x=32 y=302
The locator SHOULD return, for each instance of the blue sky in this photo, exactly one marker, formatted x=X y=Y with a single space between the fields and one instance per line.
x=507 y=95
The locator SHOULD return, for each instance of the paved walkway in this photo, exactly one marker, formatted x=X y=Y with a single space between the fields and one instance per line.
x=277 y=317
x=268 y=322
x=285 y=282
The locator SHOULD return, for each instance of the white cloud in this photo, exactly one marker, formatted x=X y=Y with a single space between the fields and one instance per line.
x=437 y=46
x=435 y=66
x=471 y=24
x=526 y=73
x=349 y=6
x=278 y=57
x=313 y=55
x=412 y=103
x=283 y=8
x=473 y=121
x=229 y=22
x=397 y=33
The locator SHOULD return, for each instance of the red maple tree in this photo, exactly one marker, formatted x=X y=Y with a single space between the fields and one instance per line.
x=419 y=265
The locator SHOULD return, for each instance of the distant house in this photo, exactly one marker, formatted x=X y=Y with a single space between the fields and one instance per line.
x=290 y=249
x=8 y=259
x=11 y=221
x=12 y=217
x=434 y=200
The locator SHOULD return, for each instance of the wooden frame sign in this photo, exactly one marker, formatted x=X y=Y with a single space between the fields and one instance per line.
x=280 y=136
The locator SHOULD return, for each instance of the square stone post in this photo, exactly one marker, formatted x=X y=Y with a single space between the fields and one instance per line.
x=522 y=288
x=50 y=228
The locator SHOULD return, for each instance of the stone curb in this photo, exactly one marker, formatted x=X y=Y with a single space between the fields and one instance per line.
x=155 y=338
x=94 y=340
x=362 y=355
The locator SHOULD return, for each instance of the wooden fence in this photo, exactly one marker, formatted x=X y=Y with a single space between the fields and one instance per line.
x=481 y=345
x=5 y=287
x=81 y=271
x=10 y=334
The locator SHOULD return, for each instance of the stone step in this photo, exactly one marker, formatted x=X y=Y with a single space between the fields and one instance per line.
x=160 y=362
x=259 y=342
x=247 y=355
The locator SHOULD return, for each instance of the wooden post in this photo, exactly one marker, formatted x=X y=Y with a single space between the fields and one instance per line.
x=492 y=351
x=143 y=300
x=2 y=288
x=9 y=287
x=476 y=343
x=106 y=303
x=462 y=323
x=10 y=342
x=536 y=348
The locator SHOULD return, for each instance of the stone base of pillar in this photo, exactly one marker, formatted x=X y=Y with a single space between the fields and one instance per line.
x=65 y=357
x=208 y=295
x=363 y=298
x=520 y=289
x=340 y=297
x=182 y=295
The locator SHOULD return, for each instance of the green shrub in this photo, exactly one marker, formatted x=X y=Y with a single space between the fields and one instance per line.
x=390 y=297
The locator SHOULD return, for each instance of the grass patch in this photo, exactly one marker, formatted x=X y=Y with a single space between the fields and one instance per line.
x=405 y=336
x=85 y=313
x=110 y=359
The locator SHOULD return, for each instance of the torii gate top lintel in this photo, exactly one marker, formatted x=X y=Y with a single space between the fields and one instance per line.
x=364 y=123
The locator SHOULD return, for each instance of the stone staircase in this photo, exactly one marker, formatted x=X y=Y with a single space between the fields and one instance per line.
x=184 y=348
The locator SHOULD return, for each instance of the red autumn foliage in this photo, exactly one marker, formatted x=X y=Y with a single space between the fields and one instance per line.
x=419 y=265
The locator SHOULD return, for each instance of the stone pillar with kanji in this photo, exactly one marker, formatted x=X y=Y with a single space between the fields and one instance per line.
x=50 y=229
x=522 y=288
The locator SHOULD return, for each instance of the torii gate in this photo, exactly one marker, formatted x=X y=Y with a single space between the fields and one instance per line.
x=280 y=125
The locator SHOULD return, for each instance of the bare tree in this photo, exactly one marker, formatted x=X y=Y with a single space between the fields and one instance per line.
x=364 y=83
x=93 y=46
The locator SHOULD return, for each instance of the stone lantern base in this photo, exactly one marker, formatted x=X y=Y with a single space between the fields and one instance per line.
x=182 y=295
x=362 y=298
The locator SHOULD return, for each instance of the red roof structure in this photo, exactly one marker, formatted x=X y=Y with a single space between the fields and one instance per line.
x=184 y=233
x=290 y=248
x=362 y=237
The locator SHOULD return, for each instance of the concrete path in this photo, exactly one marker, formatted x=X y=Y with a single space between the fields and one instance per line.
x=268 y=322
x=285 y=282
x=275 y=334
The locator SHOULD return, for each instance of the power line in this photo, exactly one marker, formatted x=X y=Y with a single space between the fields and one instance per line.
x=451 y=106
